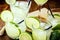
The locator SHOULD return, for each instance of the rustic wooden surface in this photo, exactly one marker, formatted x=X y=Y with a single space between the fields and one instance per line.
x=3 y=6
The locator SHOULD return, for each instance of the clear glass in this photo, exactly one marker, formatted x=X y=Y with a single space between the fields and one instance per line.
x=20 y=10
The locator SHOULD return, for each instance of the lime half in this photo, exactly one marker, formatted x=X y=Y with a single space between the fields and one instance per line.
x=32 y=23
x=25 y=36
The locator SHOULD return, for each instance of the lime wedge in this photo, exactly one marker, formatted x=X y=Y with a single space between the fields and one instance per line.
x=32 y=22
x=7 y=16
x=10 y=2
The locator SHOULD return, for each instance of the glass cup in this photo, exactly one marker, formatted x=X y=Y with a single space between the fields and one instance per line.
x=20 y=10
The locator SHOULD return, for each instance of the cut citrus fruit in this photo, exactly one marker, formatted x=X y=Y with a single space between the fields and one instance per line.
x=7 y=16
x=25 y=36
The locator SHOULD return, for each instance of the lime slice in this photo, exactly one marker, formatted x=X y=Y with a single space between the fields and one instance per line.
x=12 y=30
x=25 y=36
x=10 y=2
x=40 y=2
x=39 y=34
x=32 y=22
x=7 y=16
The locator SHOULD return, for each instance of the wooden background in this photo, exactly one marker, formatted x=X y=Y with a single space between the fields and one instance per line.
x=54 y=5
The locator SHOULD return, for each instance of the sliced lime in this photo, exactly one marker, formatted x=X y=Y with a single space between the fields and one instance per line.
x=32 y=22
x=25 y=36
x=7 y=16
x=12 y=31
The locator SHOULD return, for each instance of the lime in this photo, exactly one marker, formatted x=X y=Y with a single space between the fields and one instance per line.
x=12 y=30
x=7 y=16
x=32 y=23
x=25 y=36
